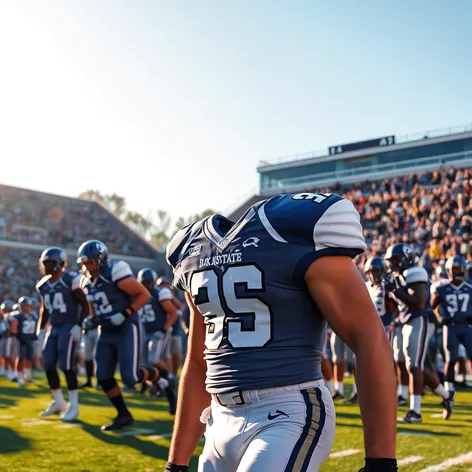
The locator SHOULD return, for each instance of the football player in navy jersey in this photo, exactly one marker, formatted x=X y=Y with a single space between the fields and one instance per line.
x=5 y=309
x=24 y=327
x=12 y=345
x=407 y=286
x=116 y=297
x=157 y=317
x=63 y=307
x=261 y=292
x=451 y=300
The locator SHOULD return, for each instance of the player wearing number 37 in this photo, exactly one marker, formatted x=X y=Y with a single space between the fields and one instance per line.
x=261 y=292
x=63 y=306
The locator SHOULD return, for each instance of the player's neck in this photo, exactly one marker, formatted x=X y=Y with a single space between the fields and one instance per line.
x=56 y=276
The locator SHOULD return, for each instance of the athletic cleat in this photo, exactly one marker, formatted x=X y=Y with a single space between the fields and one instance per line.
x=118 y=423
x=402 y=401
x=171 y=397
x=354 y=398
x=54 y=409
x=448 y=405
x=411 y=417
x=86 y=385
x=71 y=414
x=338 y=396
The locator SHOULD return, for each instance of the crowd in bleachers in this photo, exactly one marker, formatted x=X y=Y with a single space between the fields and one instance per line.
x=432 y=211
x=41 y=218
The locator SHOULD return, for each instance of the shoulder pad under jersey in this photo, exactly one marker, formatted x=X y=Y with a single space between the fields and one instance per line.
x=415 y=275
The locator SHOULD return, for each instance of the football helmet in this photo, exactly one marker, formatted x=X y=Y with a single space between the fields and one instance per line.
x=399 y=257
x=374 y=269
x=52 y=260
x=456 y=268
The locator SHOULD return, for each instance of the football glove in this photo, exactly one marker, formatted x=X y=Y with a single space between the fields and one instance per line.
x=76 y=333
x=445 y=321
x=90 y=323
x=379 y=465
x=117 y=319
x=468 y=319
x=391 y=283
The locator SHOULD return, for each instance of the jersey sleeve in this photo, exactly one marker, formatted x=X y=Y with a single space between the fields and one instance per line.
x=436 y=288
x=76 y=281
x=120 y=270
x=178 y=247
x=164 y=294
x=415 y=275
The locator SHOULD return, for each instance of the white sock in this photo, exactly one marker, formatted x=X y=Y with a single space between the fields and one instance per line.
x=74 y=397
x=163 y=383
x=415 y=403
x=450 y=387
x=441 y=391
x=57 y=394
x=354 y=388
x=329 y=386
x=27 y=373
x=339 y=387
x=404 y=391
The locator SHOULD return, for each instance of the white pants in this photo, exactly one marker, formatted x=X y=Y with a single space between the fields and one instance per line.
x=283 y=429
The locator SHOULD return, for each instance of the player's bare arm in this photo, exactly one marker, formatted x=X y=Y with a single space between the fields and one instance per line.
x=171 y=311
x=340 y=292
x=136 y=290
x=414 y=295
x=435 y=303
x=193 y=397
x=81 y=298
x=43 y=314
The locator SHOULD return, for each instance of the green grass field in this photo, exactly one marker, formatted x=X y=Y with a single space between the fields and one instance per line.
x=30 y=443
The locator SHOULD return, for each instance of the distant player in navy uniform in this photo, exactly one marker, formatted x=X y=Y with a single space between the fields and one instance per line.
x=12 y=345
x=63 y=307
x=5 y=309
x=451 y=300
x=24 y=325
x=116 y=297
x=261 y=291
x=157 y=317
x=408 y=286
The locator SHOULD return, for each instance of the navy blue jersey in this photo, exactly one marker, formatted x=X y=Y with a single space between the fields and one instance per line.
x=455 y=300
x=153 y=316
x=177 y=327
x=26 y=326
x=3 y=327
x=247 y=281
x=410 y=276
x=378 y=295
x=58 y=299
x=106 y=297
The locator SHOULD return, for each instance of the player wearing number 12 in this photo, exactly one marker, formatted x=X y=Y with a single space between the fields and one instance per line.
x=116 y=297
x=63 y=306
x=261 y=292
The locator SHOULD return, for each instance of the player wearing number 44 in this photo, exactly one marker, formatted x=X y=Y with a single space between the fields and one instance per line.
x=261 y=292
x=116 y=296
x=63 y=307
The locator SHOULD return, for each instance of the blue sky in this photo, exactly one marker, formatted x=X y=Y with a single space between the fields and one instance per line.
x=173 y=103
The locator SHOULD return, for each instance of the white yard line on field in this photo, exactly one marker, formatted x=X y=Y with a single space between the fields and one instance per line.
x=136 y=432
x=6 y=417
x=36 y=422
x=437 y=415
x=410 y=460
x=160 y=436
x=347 y=452
x=415 y=433
x=448 y=463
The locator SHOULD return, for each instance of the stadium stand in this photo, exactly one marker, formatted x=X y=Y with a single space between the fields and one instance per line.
x=431 y=210
x=31 y=221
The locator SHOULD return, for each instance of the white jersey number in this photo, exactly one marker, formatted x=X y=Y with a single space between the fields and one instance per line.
x=100 y=302
x=457 y=302
x=147 y=314
x=211 y=292
x=57 y=302
x=29 y=326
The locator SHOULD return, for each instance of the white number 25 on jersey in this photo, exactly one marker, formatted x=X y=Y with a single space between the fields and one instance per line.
x=215 y=296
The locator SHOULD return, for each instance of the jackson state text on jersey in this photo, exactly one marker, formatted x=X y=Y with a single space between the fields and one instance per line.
x=456 y=300
x=247 y=280
x=152 y=314
x=106 y=297
x=58 y=298
x=413 y=275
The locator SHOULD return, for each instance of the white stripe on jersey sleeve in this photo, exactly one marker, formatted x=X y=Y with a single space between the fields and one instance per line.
x=120 y=270
x=435 y=286
x=165 y=294
x=339 y=227
x=76 y=282
x=269 y=228
x=414 y=275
